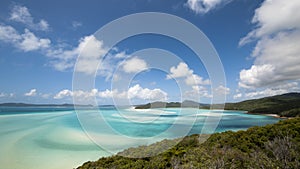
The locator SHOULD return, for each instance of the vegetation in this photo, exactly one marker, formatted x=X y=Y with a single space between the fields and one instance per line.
x=271 y=146
x=287 y=105
x=291 y=113
x=275 y=104
x=186 y=103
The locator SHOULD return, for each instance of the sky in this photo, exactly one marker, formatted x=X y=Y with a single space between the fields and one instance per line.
x=43 y=44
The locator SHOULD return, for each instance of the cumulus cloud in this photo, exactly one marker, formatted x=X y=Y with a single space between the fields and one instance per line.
x=272 y=17
x=8 y=34
x=112 y=94
x=30 y=42
x=32 y=92
x=257 y=76
x=196 y=92
x=277 y=49
x=21 y=14
x=237 y=96
x=63 y=93
x=196 y=80
x=204 y=6
x=222 y=90
x=134 y=92
x=183 y=71
x=275 y=89
x=134 y=65
x=147 y=94
x=26 y=42
x=91 y=51
x=62 y=57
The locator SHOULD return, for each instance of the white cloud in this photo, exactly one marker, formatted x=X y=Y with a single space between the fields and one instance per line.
x=25 y=42
x=134 y=65
x=265 y=93
x=78 y=94
x=32 y=92
x=7 y=94
x=112 y=94
x=183 y=71
x=30 y=42
x=8 y=34
x=237 y=96
x=107 y=93
x=121 y=55
x=134 y=92
x=256 y=76
x=277 y=50
x=90 y=49
x=21 y=14
x=274 y=16
x=63 y=93
x=147 y=94
x=63 y=57
x=196 y=92
x=91 y=52
x=204 y=6
x=221 y=90
x=196 y=80
x=273 y=90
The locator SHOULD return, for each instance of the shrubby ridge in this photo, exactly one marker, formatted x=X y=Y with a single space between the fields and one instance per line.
x=271 y=146
x=287 y=105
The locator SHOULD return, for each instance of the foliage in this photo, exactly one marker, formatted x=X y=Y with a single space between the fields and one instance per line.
x=271 y=146
x=287 y=105
x=274 y=105
x=291 y=113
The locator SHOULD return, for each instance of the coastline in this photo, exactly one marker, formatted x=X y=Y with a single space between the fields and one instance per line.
x=268 y=114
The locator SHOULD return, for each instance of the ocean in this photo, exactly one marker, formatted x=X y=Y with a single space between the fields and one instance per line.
x=58 y=137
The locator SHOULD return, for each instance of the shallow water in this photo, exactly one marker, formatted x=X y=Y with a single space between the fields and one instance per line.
x=52 y=138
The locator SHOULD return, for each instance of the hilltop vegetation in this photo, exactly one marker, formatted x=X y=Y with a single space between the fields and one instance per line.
x=287 y=105
x=271 y=146
x=186 y=103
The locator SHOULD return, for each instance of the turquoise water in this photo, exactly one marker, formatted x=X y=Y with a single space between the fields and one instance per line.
x=52 y=137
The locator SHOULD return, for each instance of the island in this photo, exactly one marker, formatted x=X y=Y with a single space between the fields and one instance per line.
x=285 y=105
x=271 y=146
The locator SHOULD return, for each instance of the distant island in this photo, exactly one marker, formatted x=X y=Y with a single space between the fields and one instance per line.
x=285 y=105
x=186 y=103
x=40 y=105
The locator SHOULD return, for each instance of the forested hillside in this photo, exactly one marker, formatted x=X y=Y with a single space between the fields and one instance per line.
x=271 y=146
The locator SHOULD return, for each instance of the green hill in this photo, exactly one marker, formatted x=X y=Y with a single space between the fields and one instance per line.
x=186 y=103
x=271 y=146
x=285 y=105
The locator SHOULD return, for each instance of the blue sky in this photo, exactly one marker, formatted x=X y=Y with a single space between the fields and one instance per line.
x=257 y=42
